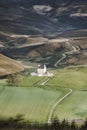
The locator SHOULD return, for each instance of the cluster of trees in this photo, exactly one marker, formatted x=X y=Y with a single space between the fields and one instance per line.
x=13 y=80
x=18 y=123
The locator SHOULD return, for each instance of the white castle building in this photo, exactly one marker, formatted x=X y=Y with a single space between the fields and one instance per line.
x=42 y=71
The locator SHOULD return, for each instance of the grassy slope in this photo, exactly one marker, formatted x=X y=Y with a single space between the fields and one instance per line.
x=8 y=66
x=75 y=78
x=34 y=102
x=75 y=106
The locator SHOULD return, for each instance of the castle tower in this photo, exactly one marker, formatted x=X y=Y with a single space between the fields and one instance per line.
x=45 y=69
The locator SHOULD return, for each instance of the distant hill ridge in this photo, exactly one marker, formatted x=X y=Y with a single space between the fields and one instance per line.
x=22 y=22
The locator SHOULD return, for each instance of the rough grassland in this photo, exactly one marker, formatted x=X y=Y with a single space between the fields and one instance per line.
x=9 y=66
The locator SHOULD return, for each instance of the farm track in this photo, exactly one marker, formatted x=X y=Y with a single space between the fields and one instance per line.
x=30 y=45
x=45 y=82
x=56 y=105
x=42 y=82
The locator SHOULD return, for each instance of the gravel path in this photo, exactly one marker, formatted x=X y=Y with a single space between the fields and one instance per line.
x=56 y=105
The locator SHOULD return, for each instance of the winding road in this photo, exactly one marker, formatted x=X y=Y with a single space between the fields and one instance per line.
x=43 y=83
x=64 y=55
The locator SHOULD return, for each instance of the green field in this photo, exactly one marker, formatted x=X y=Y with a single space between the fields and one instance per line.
x=75 y=78
x=74 y=107
x=36 y=101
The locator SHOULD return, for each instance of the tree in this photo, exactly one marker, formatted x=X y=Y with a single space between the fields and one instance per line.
x=13 y=80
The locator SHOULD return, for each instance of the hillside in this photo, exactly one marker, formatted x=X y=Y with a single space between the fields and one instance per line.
x=38 y=17
x=51 y=51
x=9 y=66
x=28 y=26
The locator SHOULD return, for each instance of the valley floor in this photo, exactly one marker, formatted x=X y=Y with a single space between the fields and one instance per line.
x=35 y=101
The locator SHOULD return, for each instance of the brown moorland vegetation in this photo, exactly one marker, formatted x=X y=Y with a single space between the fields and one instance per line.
x=9 y=66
